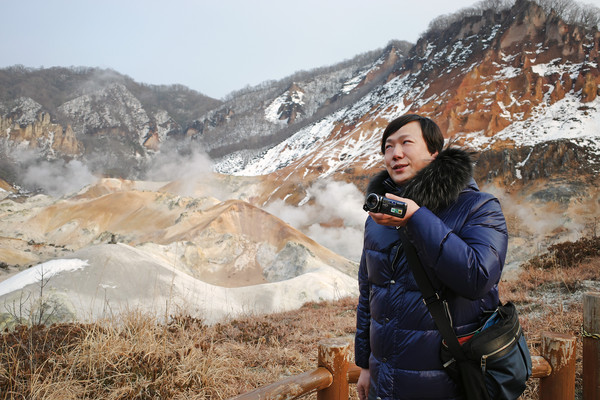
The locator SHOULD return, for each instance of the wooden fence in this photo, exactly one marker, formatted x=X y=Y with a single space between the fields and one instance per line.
x=555 y=367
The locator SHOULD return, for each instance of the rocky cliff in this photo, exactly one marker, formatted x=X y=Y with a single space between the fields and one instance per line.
x=512 y=84
x=100 y=117
x=499 y=68
x=28 y=125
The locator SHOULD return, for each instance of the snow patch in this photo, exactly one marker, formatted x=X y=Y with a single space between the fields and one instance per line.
x=566 y=119
x=28 y=110
x=556 y=66
x=40 y=272
x=272 y=113
x=352 y=83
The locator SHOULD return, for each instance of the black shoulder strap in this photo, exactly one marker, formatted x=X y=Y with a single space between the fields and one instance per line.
x=431 y=298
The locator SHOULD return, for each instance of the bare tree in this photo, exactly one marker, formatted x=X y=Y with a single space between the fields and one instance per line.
x=573 y=12
x=589 y=15
x=444 y=21
x=440 y=23
x=494 y=5
x=561 y=7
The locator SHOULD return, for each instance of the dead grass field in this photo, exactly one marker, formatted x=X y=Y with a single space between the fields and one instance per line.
x=139 y=358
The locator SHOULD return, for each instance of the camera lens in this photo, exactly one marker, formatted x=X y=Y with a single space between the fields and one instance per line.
x=372 y=201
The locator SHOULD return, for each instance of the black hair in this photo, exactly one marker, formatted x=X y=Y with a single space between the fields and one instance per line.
x=434 y=139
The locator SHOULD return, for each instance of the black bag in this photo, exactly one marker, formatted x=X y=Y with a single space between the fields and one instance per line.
x=492 y=362
x=496 y=354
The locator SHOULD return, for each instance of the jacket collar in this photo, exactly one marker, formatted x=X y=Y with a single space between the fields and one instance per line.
x=437 y=185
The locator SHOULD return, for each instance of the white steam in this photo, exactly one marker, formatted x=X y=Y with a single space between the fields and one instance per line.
x=58 y=178
x=335 y=219
x=533 y=219
x=169 y=165
x=535 y=225
x=192 y=170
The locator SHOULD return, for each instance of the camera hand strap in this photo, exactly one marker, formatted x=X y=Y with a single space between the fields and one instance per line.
x=431 y=298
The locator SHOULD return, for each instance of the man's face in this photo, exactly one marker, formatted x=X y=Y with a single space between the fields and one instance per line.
x=406 y=153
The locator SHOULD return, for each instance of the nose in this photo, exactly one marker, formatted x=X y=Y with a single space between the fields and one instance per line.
x=397 y=151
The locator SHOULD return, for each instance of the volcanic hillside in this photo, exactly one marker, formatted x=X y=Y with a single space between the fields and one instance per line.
x=120 y=244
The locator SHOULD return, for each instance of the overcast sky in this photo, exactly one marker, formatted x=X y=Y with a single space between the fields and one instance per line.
x=212 y=46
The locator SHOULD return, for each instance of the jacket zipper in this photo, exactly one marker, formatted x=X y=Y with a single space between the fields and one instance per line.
x=396 y=256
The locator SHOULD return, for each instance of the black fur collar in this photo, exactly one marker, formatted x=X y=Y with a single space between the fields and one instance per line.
x=436 y=186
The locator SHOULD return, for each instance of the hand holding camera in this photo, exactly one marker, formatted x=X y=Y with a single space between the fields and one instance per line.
x=390 y=210
x=380 y=204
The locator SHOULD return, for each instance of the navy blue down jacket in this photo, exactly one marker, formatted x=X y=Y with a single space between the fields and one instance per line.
x=461 y=239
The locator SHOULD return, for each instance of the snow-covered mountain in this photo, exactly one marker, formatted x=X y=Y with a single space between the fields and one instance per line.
x=117 y=126
x=500 y=82
x=260 y=117
x=497 y=79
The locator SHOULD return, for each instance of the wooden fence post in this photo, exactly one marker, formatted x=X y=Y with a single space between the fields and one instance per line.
x=334 y=355
x=560 y=351
x=591 y=346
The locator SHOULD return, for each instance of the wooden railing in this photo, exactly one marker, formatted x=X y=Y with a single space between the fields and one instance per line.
x=555 y=367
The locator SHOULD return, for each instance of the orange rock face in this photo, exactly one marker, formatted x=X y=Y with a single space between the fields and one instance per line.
x=42 y=134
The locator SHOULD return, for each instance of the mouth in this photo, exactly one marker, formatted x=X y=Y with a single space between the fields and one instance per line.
x=399 y=168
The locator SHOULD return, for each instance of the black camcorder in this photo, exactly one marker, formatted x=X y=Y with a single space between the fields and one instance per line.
x=380 y=204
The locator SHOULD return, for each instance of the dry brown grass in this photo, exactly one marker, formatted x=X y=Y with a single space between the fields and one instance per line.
x=549 y=294
x=139 y=358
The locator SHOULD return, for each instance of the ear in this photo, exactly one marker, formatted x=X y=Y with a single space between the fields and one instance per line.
x=434 y=155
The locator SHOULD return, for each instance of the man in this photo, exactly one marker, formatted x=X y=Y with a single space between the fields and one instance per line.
x=460 y=236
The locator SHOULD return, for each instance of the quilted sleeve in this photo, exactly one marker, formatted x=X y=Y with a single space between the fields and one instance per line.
x=468 y=259
x=362 y=347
